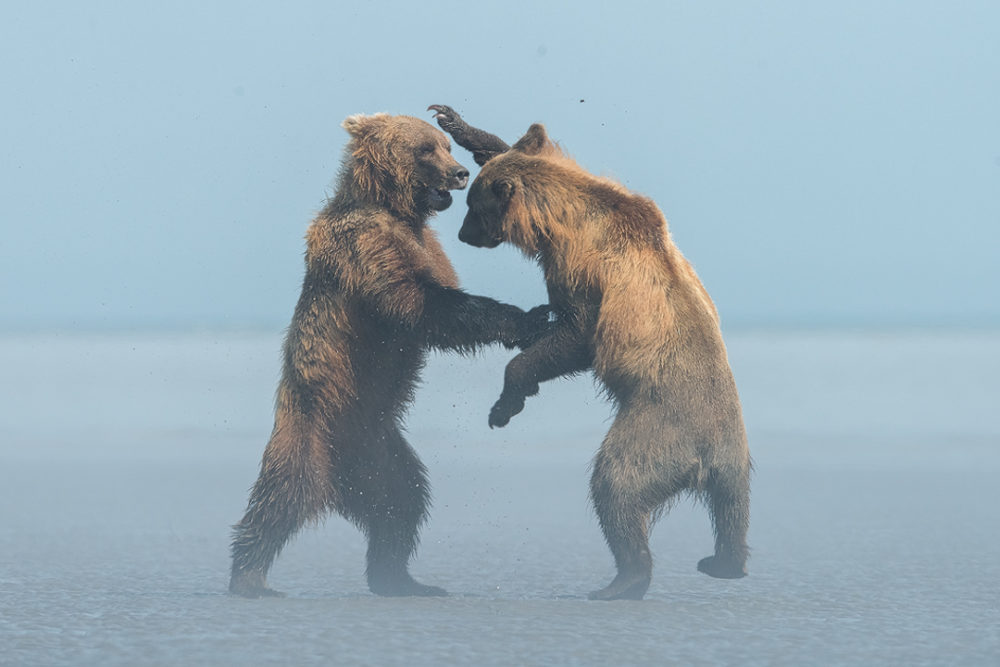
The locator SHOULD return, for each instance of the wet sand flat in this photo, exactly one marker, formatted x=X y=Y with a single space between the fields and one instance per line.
x=124 y=458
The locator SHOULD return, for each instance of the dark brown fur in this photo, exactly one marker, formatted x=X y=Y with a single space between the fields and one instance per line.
x=629 y=306
x=378 y=292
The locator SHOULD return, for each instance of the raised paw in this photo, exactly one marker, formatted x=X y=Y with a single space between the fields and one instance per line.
x=446 y=117
x=504 y=409
x=720 y=568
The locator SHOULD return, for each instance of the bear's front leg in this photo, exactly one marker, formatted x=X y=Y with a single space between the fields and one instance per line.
x=563 y=351
x=480 y=143
x=518 y=384
x=533 y=326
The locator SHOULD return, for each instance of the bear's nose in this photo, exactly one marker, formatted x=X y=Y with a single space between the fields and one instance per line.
x=461 y=176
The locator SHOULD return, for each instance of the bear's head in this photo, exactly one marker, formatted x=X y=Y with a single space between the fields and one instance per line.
x=401 y=163
x=506 y=202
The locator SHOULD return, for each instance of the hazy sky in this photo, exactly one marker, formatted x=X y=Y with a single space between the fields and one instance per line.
x=820 y=163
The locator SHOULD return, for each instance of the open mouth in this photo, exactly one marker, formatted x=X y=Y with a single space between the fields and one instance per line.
x=438 y=198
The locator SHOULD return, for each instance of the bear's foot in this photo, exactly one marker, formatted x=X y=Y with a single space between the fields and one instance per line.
x=722 y=568
x=252 y=586
x=624 y=587
x=403 y=586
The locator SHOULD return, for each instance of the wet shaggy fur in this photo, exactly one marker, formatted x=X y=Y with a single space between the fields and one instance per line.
x=378 y=292
x=629 y=306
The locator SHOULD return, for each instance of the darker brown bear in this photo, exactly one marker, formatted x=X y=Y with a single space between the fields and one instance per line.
x=629 y=306
x=378 y=292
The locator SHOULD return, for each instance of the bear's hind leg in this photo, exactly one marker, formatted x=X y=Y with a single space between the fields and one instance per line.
x=636 y=471
x=624 y=519
x=625 y=530
x=387 y=495
x=729 y=505
x=293 y=487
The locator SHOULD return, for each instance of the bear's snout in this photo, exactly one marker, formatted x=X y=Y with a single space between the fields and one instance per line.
x=474 y=233
x=459 y=177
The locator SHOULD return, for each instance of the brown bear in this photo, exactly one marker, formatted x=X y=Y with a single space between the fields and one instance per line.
x=378 y=292
x=629 y=306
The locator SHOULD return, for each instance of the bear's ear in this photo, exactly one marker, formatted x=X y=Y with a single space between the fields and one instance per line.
x=503 y=189
x=534 y=141
x=359 y=124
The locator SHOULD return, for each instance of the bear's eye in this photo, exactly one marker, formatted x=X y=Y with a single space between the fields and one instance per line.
x=426 y=149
